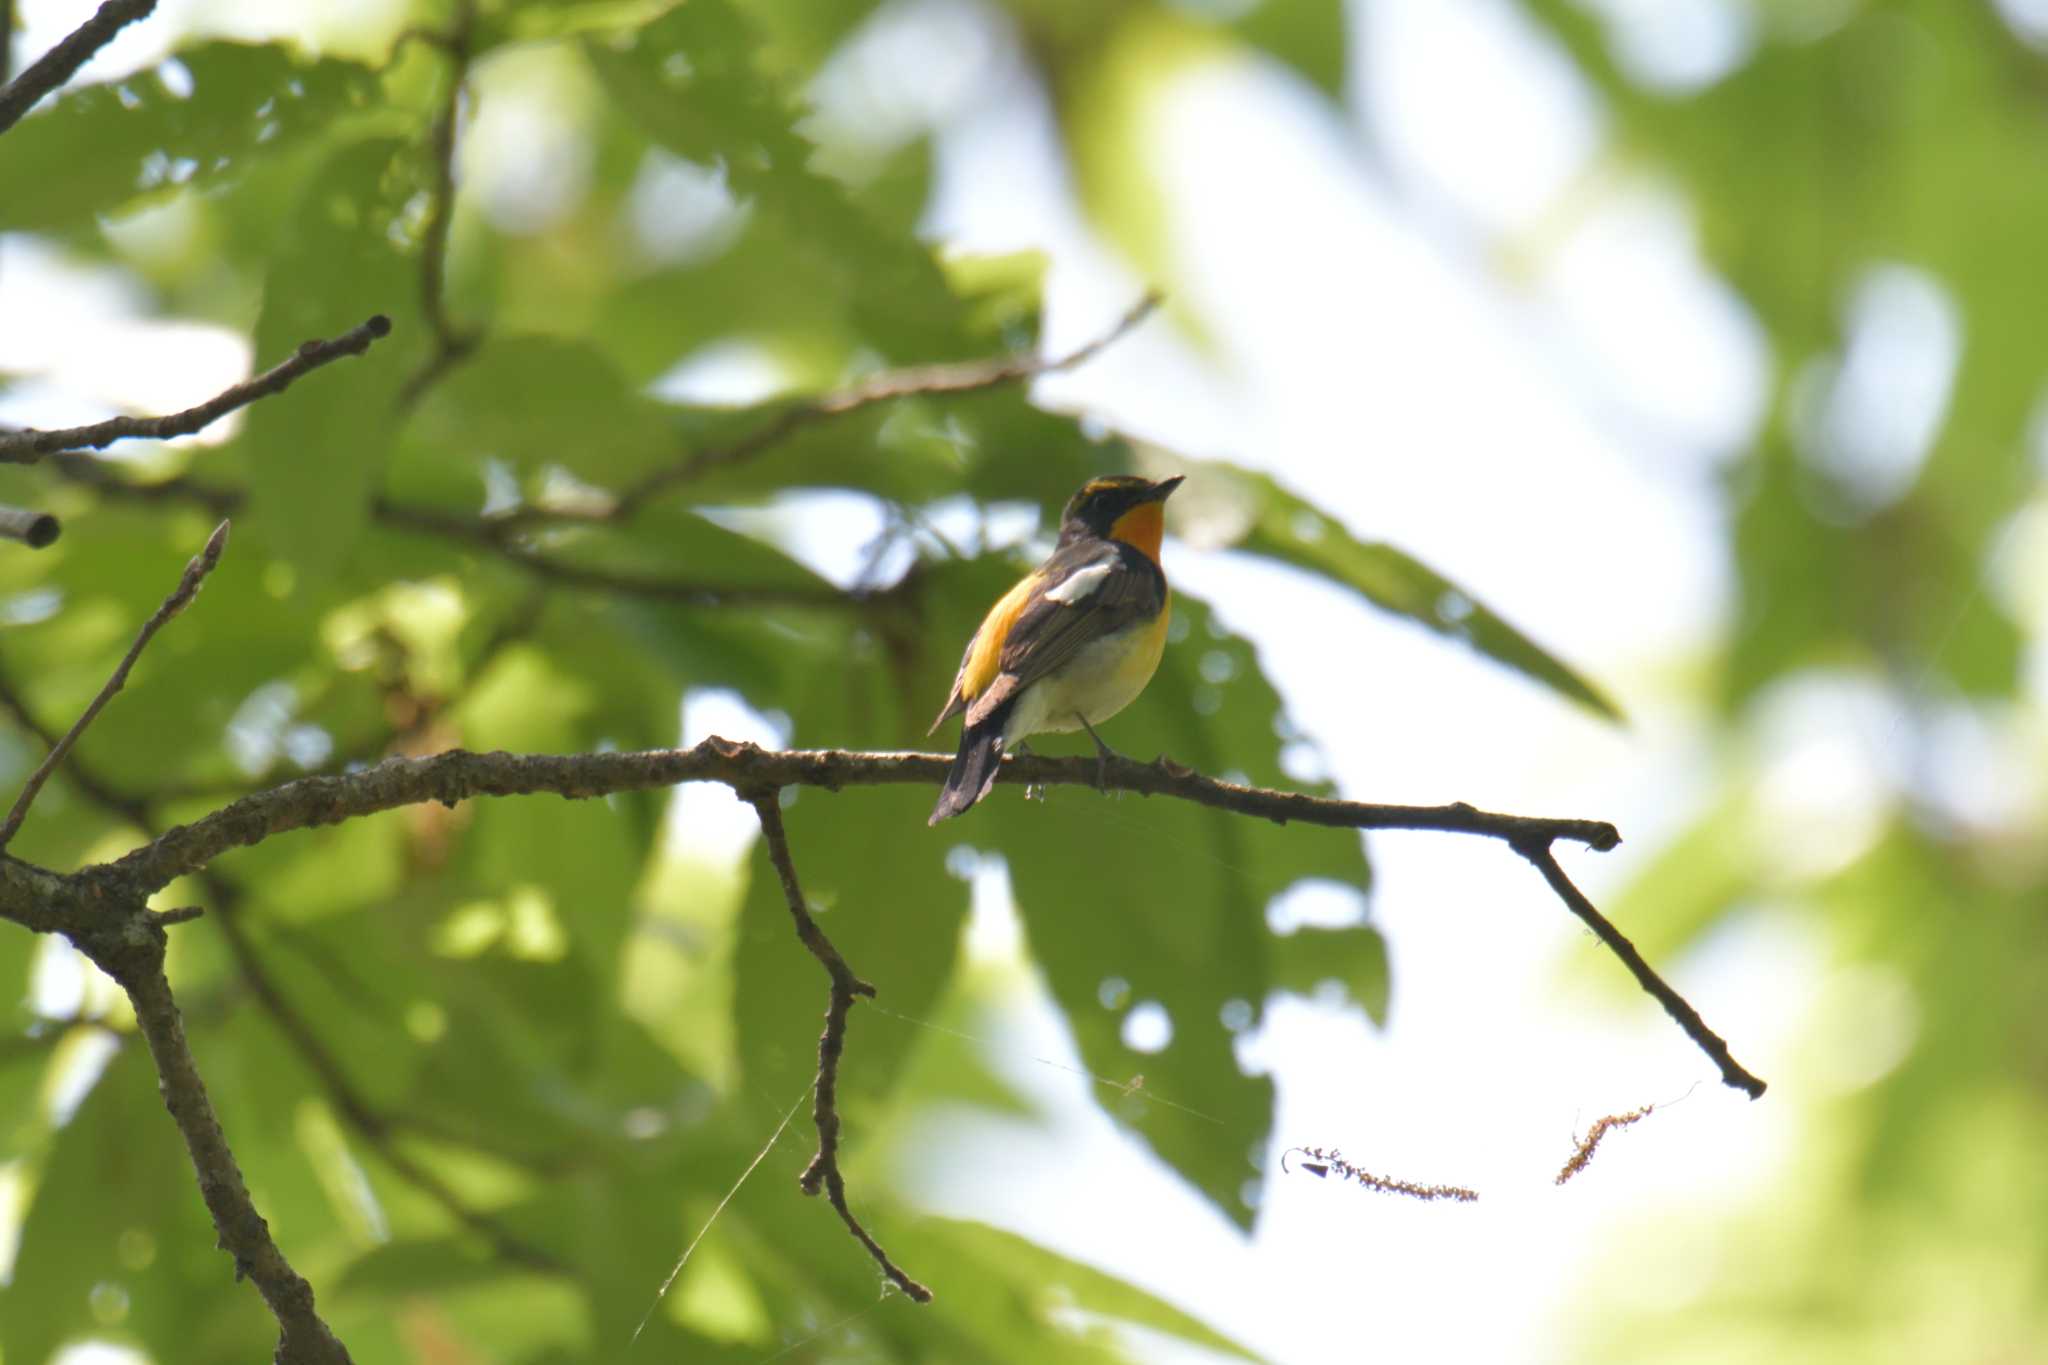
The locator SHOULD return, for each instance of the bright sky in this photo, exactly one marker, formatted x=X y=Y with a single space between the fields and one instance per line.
x=1545 y=434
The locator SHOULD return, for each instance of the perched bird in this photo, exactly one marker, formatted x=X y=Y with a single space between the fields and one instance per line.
x=1070 y=645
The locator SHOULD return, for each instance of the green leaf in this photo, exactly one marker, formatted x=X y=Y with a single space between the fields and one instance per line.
x=116 y=566
x=1351 y=961
x=115 y=1236
x=316 y=451
x=103 y=148
x=1308 y=35
x=1282 y=526
x=539 y=401
x=1057 y=1285
x=695 y=81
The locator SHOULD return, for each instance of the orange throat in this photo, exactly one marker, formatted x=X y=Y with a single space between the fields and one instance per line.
x=1141 y=528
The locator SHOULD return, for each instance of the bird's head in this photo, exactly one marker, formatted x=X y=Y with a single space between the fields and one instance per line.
x=1120 y=507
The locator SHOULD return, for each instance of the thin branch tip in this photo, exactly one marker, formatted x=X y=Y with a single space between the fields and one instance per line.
x=195 y=574
x=1539 y=854
x=30 y=445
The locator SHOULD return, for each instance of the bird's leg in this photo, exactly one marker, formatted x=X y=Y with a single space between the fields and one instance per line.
x=1103 y=753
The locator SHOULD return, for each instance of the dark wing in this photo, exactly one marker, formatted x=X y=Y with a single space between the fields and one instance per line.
x=1126 y=588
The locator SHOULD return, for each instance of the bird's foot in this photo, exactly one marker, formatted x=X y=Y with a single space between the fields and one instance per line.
x=1103 y=753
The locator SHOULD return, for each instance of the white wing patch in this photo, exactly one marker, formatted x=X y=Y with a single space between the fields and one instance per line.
x=1079 y=584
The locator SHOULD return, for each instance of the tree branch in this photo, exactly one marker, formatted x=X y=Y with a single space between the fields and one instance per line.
x=459 y=775
x=30 y=445
x=196 y=571
x=61 y=62
x=31 y=528
x=823 y=1172
x=132 y=953
x=101 y=909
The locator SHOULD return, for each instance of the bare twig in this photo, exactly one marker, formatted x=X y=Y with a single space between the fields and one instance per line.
x=1537 y=850
x=968 y=377
x=61 y=62
x=91 y=784
x=30 y=445
x=823 y=1172
x=33 y=529
x=1320 y=1163
x=195 y=573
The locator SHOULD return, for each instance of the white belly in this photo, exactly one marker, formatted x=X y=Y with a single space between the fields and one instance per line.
x=1099 y=681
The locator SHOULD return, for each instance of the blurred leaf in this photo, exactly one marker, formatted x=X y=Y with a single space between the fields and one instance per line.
x=537 y=401
x=1308 y=35
x=317 y=452
x=1281 y=526
x=117 y=566
x=167 y=128
x=115 y=1236
x=1353 y=961
x=1690 y=883
x=694 y=80
x=1057 y=1284
x=1108 y=71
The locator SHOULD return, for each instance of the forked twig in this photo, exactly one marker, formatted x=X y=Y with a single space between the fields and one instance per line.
x=1537 y=850
x=823 y=1172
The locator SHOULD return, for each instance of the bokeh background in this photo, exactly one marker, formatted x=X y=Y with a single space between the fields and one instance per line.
x=1698 y=343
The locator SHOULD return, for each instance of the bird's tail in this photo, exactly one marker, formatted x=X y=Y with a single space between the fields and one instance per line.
x=974 y=767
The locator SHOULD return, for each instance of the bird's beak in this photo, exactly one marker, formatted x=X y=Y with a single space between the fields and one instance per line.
x=1159 y=492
